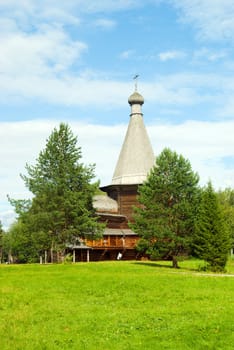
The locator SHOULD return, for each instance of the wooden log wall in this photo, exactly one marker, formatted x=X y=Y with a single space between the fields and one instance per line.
x=126 y=197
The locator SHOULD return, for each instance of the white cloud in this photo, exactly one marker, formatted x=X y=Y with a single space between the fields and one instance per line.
x=58 y=15
x=210 y=55
x=105 y=23
x=66 y=89
x=171 y=55
x=7 y=218
x=30 y=16
x=125 y=55
x=228 y=109
x=106 y=5
x=57 y=8
x=38 y=64
x=182 y=89
x=212 y=18
x=205 y=144
x=42 y=53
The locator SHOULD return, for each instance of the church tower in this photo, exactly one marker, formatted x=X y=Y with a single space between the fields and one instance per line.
x=136 y=158
x=114 y=206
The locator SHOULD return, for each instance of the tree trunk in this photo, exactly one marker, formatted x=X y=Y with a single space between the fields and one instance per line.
x=52 y=254
x=175 y=262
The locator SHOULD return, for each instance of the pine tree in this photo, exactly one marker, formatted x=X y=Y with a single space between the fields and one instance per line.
x=61 y=209
x=211 y=238
x=165 y=220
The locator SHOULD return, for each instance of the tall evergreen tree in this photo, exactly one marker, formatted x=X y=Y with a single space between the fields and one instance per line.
x=61 y=209
x=211 y=239
x=165 y=220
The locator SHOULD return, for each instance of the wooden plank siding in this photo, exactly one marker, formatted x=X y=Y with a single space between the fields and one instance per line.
x=114 y=241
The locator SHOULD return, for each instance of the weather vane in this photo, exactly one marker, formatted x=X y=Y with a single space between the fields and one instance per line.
x=136 y=80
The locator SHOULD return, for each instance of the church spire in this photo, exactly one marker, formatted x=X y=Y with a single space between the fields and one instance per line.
x=136 y=157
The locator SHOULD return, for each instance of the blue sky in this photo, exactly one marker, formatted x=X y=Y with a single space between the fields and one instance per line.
x=73 y=61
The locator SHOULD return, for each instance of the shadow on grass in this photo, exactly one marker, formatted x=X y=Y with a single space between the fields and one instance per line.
x=166 y=266
x=152 y=264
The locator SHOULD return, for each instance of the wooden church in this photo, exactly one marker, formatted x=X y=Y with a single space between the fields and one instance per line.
x=115 y=206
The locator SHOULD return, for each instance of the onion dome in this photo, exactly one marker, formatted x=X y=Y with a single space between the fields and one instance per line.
x=136 y=98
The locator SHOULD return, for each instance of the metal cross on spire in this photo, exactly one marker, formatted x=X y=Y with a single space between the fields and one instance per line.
x=136 y=80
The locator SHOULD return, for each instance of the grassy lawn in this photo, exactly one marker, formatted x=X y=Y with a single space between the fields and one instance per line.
x=115 y=305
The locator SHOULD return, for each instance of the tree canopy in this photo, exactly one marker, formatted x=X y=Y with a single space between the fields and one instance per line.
x=61 y=209
x=165 y=220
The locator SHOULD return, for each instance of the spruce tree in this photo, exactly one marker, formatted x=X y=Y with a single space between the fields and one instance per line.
x=165 y=219
x=211 y=240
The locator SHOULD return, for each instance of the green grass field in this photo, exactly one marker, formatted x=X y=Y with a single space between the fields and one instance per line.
x=115 y=305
